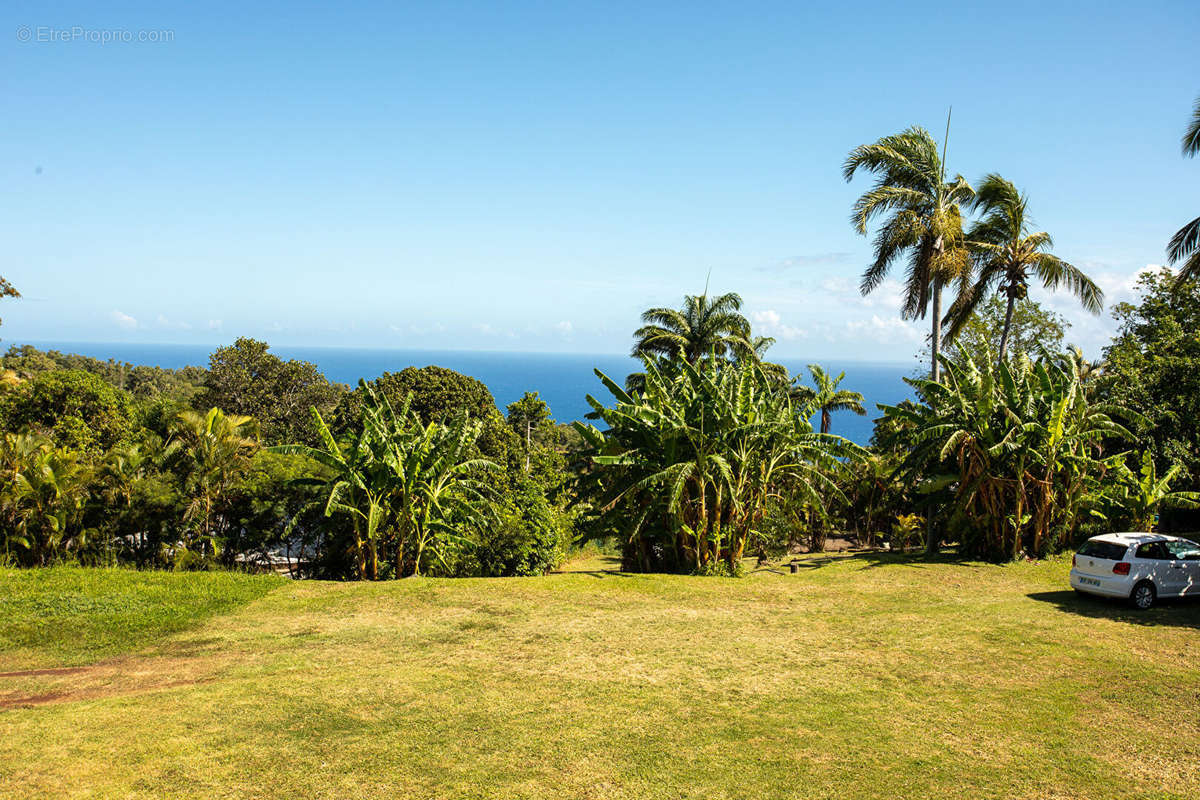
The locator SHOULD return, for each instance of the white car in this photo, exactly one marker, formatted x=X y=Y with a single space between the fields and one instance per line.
x=1141 y=567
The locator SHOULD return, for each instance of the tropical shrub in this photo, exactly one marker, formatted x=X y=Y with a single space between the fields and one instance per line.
x=210 y=450
x=528 y=536
x=1132 y=501
x=42 y=496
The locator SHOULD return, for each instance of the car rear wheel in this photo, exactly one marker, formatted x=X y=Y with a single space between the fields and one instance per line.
x=1143 y=595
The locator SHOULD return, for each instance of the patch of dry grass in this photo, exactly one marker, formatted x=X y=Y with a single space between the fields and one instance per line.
x=856 y=678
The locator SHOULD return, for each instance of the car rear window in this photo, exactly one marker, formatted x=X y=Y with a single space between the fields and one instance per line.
x=1110 y=550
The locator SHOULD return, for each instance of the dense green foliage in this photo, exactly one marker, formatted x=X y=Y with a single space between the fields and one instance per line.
x=407 y=488
x=689 y=465
x=1032 y=331
x=95 y=474
x=1153 y=368
x=76 y=409
x=145 y=382
x=248 y=380
x=1015 y=448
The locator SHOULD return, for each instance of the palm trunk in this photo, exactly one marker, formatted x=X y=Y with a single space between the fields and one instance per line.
x=936 y=333
x=1008 y=316
x=826 y=420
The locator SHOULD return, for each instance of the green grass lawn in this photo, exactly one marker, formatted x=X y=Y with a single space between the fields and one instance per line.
x=859 y=677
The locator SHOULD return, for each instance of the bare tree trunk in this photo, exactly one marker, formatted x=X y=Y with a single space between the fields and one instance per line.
x=1008 y=316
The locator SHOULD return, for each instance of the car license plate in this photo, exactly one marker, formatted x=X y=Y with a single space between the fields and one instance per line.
x=1089 y=581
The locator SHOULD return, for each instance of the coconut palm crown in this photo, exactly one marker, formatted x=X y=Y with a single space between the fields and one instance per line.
x=922 y=221
x=826 y=397
x=1184 y=247
x=1006 y=253
x=704 y=325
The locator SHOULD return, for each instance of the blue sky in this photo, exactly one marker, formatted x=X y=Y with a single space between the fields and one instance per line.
x=531 y=176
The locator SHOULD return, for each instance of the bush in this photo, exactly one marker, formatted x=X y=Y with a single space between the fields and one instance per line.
x=529 y=537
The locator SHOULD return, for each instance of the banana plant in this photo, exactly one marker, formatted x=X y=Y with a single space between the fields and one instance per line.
x=408 y=489
x=1024 y=444
x=1142 y=494
x=690 y=462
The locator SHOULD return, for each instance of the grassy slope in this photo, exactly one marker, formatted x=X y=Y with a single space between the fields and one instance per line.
x=856 y=678
x=64 y=616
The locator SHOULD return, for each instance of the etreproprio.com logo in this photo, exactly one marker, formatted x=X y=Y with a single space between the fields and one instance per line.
x=80 y=33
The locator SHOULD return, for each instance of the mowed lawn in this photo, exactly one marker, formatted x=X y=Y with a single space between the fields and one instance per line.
x=858 y=677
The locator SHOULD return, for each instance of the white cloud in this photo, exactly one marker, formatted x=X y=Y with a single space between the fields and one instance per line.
x=163 y=322
x=123 y=320
x=490 y=330
x=418 y=330
x=885 y=330
x=565 y=328
x=837 y=285
x=771 y=324
x=214 y=324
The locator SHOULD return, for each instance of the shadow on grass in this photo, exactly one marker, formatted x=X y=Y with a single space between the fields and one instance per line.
x=869 y=559
x=596 y=567
x=1174 y=612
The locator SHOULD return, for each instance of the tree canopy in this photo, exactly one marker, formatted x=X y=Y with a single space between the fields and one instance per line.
x=245 y=378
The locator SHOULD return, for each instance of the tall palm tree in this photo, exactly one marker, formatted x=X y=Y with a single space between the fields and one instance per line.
x=826 y=397
x=704 y=325
x=1006 y=252
x=1185 y=244
x=924 y=221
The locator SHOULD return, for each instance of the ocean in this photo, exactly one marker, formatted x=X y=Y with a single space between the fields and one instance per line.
x=562 y=380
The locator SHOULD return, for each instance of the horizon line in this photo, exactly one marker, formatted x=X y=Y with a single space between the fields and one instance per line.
x=56 y=343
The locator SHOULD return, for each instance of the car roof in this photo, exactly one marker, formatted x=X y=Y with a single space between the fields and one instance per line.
x=1130 y=537
x=1127 y=538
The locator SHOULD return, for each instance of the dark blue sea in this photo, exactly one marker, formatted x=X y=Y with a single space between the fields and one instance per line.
x=562 y=380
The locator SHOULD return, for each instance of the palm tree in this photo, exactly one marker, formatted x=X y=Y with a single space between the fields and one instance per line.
x=1088 y=371
x=119 y=473
x=45 y=492
x=213 y=447
x=924 y=221
x=1185 y=244
x=1006 y=252
x=704 y=325
x=826 y=397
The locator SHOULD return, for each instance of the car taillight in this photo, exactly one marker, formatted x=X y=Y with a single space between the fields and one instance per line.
x=1121 y=568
